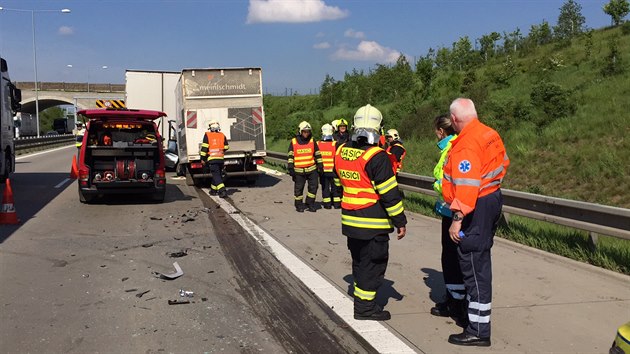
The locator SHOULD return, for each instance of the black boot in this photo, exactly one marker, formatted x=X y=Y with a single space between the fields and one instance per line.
x=382 y=315
x=468 y=340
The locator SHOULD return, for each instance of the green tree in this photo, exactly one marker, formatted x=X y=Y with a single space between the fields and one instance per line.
x=443 y=58
x=47 y=116
x=463 y=53
x=327 y=92
x=540 y=34
x=487 y=43
x=570 y=21
x=613 y=63
x=425 y=68
x=617 y=10
x=402 y=77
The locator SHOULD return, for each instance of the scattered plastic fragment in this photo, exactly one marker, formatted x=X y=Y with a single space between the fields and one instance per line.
x=86 y=275
x=125 y=278
x=204 y=299
x=139 y=295
x=177 y=254
x=130 y=290
x=184 y=293
x=147 y=245
x=178 y=273
x=155 y=218
x=178 y=302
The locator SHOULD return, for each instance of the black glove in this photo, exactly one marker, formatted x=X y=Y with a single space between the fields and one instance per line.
x=292 y=173
x=320 y=170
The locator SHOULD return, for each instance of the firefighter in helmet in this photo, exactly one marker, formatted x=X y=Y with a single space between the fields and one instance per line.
x=327 y=147
x=304 y=162
x=370 y=209
x=212 y=154
x=342 y=135
x=396 y=149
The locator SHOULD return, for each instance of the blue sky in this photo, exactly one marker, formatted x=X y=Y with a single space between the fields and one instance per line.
x=296 y=42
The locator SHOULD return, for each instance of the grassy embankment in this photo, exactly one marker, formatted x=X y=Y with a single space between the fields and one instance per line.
x=583 y=156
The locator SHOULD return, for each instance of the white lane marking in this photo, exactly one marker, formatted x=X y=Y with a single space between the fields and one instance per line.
x=63 y=182
x=44 y=152
x=373 y=332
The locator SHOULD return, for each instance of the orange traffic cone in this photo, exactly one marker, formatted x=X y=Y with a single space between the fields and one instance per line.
x=74 y=171
x=7 y=210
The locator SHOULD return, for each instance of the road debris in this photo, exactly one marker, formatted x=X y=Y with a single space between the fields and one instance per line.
x=147 y=245
x=333 y=243
x=125 y=278
x=179 y=254
x=141 y=294
x=86 y=275
x=155 y=218
x=178 y=302
x=131 y=290
x=178 y=273
x=185 y=293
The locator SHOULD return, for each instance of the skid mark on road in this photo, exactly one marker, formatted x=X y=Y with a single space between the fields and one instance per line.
x=376 y=334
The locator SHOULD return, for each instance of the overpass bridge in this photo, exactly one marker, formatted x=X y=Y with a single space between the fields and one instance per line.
x=80 y=95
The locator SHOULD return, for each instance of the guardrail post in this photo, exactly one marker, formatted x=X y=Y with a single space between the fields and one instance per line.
x=592 y=240
x=504 y=221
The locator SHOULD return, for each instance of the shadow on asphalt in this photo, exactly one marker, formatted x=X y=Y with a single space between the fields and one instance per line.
x=235 y=185
x=384 y=293
x=173 y=193
x=434 y=280
x=31 y=193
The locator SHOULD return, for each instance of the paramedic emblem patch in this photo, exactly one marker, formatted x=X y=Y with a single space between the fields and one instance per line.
x=464 y=166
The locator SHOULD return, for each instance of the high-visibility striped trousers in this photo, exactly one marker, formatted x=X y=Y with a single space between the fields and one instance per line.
x=475 y=261
x=216 y=169
x=329 y=190
x=311 y=192
x=369 y=263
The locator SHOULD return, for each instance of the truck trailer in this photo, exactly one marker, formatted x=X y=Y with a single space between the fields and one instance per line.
x=153 y=90
x=10 y=98
x=231 y=96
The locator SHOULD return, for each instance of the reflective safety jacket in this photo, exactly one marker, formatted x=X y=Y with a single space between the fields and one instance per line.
x=438 y=171
x=398 y=153
x=371 y=203
x=441 y=207
x=475 y=166
x=213 y=147
x=303 y=155
x=327 y=150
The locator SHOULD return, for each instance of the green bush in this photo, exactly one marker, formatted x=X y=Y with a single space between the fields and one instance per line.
x=625 y=28
x=553 y=100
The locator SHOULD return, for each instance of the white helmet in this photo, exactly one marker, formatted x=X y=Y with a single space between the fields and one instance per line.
x=393 y=133
x=214 y=126
x=304 y=125
x=327 y=131
x=367 y=124
x=334 y=124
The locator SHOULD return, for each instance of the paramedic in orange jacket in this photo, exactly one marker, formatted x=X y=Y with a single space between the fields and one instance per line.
x=475 y=167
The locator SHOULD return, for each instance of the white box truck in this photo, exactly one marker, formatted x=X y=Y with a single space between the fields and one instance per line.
x=154 y=90
x=233 y=97
x=10 y=98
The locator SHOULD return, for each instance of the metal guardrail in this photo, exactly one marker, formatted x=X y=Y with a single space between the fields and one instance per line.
x=35 y=142
x=596 y=218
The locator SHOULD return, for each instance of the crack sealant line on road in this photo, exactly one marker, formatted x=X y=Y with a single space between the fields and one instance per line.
x=375 y=333
x=43 y=152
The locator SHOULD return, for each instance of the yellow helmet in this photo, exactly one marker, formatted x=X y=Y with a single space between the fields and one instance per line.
x=304 y=125
x=393 y=133
x=214 y=126
x=342 y=122
x=327 y=131
x=367 y=124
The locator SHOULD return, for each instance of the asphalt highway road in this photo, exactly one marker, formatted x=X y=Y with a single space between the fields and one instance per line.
x=80 y=278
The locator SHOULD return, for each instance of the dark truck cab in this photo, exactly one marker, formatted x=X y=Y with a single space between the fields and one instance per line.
x=121 y=153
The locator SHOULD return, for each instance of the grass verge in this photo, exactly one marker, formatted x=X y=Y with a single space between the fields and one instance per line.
x=611 y=253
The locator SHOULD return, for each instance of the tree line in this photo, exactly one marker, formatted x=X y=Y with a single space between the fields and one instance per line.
x=414 y=92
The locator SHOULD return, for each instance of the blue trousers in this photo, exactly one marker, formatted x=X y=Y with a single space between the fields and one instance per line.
x=475 y=261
